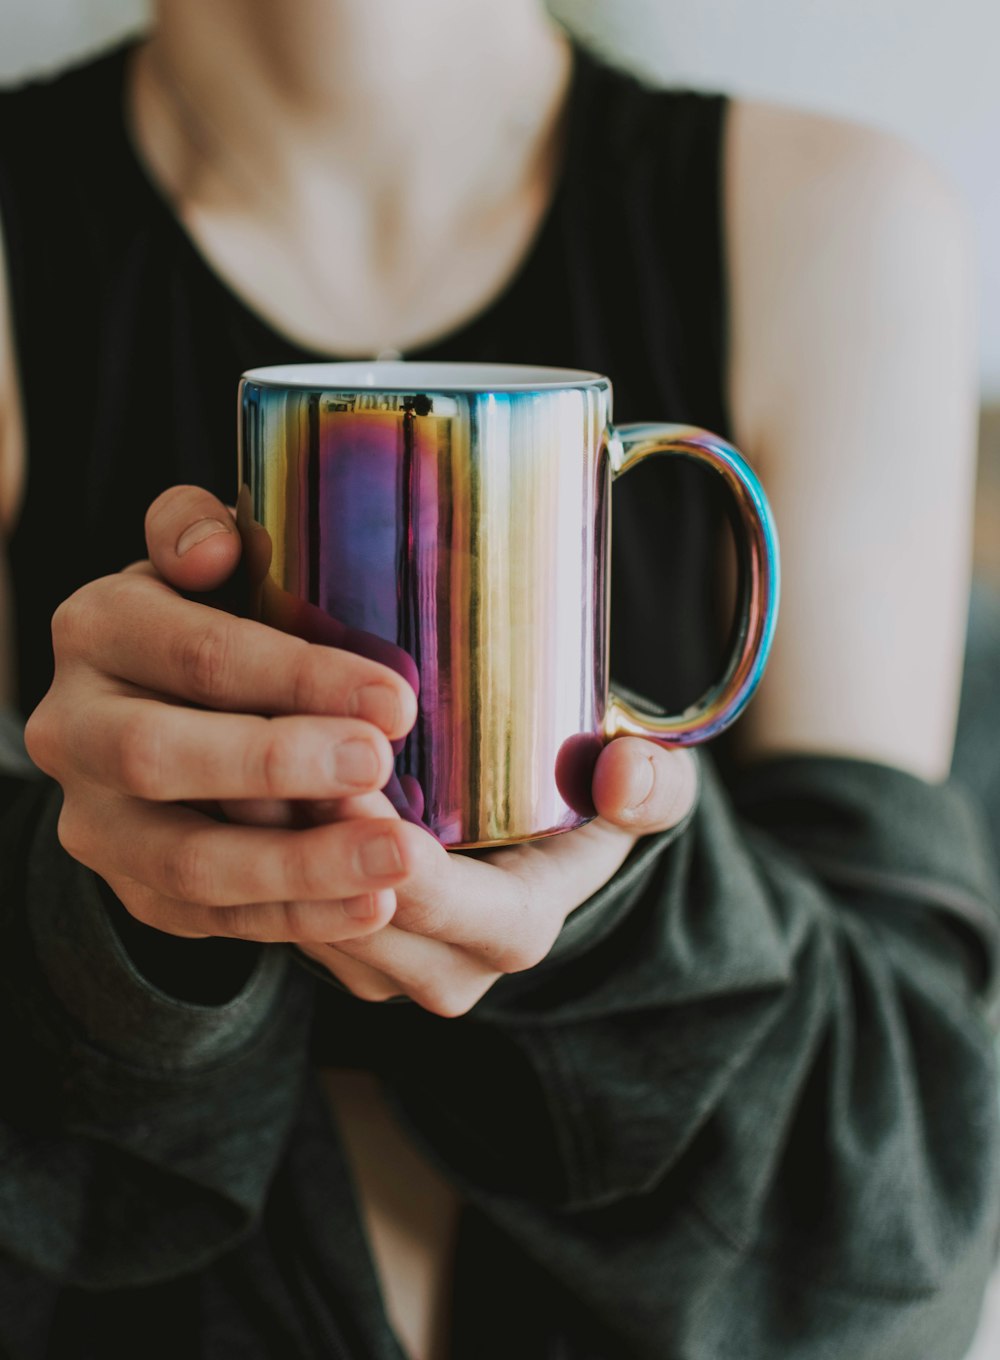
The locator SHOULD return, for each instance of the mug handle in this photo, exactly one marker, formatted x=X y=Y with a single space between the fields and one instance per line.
x=758 y=585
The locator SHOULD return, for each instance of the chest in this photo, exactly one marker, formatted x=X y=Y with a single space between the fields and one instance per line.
x=160 y=340
x=409 y=1213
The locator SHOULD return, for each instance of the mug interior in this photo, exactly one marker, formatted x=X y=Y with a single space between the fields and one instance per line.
x=400 y=376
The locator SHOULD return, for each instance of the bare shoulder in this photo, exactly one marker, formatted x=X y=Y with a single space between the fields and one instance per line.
x=852 y=383
x=831 y=222
x=811 y=156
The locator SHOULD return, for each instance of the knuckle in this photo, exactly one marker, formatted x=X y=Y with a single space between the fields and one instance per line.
x=426 y=916
x=310 y=687
x=450 y=999
x=307 y=871
x=188 y=871
x=678 y=783
x=140 y=756
x=238 y=922
x=145 y=913
x=366 y=989
x=69 y=620
x=148 y=908
x=526 y=952
x=205 y=661
x=71 y=831
x=298 y=921
x=118 y=592
x=274 y=764
x=40 y=737
x=533 y=938
x=77 y=619
x=141 y=906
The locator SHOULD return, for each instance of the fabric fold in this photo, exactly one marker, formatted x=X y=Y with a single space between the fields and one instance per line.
x=139 y=1133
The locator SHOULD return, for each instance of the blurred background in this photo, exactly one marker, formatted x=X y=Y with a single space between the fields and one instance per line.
x=921 y=68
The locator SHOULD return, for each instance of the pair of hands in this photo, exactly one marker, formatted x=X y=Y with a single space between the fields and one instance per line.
x=224 y=779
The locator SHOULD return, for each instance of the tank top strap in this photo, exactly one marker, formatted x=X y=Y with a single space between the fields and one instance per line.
x=644 y=241
x=643 y=231
x=67 y=212
x=64 y=203
x=130 y=346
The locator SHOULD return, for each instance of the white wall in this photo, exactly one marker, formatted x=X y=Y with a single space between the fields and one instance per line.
x=40 y=34
x=929 y=69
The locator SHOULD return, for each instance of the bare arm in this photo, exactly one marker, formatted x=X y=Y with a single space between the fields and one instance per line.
x=853 y=389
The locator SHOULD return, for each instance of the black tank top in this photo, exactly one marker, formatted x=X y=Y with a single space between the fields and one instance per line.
x=129 y=346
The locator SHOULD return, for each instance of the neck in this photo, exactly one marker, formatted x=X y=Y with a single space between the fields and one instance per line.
x=361 y=78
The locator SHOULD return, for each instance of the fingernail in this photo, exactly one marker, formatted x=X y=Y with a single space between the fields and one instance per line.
x=380 y=857
x=356 y=762
x=197 y=533
x=640 y=784
x=359 y=908
x=377 y=704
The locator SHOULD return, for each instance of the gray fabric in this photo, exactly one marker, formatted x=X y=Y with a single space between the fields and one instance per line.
x=118 y=1010
x=977 y=763
x=190 y=1104
x=977 y=742
x=765 y=1131
x=757 y=1117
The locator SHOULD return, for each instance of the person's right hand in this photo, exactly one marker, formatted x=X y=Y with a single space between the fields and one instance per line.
x=159 y=702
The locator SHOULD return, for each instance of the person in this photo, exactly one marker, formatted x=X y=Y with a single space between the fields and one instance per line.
x=710 y=1076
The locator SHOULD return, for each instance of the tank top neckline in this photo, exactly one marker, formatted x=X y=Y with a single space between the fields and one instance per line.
x=269 y=334
x=619 y=280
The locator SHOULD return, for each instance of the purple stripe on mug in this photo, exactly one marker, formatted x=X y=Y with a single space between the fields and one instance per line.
x=453 y=522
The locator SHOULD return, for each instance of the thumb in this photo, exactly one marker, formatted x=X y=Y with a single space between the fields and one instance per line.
x=642 y=786
x=191 y=538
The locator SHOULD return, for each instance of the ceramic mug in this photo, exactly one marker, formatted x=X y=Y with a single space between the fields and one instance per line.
x=453 y=521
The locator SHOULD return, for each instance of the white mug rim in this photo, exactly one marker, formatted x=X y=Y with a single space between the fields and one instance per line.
x=400 y=375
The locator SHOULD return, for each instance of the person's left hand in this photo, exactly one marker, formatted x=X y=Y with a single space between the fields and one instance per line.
x=461 y=920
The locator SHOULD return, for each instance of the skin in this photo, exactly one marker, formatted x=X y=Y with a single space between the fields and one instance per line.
x=405 y=916
x=852 y=388
x=376 y=900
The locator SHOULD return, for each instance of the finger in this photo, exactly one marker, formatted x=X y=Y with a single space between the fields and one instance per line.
x=145 y=633
x=445 y=949
x=506 y=907
x=303 y=922
x=506 y=917
x=265 y=922
x=441 y=978
x=302 y=812
x=191 y=538
x=183 y=854
x=366 y=983
x=165 y=752
x=297 y=812
x=366 y=805
x=644 y=787
x=256 y=811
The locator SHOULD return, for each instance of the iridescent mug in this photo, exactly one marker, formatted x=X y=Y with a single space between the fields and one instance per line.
x=453 y=521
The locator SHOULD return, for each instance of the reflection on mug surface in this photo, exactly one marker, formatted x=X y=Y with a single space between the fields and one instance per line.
x=453 y=522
